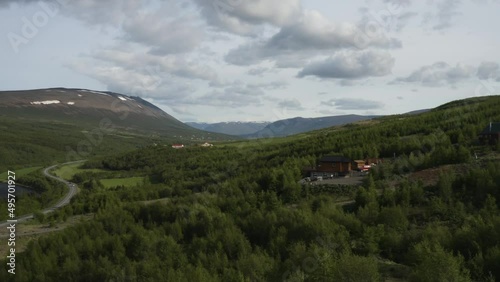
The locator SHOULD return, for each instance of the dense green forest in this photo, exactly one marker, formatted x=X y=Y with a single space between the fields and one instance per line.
x=236 y=212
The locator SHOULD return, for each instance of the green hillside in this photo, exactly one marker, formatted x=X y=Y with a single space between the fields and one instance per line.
x=236 y=211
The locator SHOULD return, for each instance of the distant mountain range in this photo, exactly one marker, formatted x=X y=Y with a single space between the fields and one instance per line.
x=89 y=107
x=278 y=128
x=298 y=125
x=232 y=128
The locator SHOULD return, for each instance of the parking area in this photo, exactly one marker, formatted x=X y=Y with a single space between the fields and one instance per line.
x=348 y=180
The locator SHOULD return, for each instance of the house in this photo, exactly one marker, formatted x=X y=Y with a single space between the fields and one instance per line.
x=491 y=134
x=329 y=166
x=178 y=146
x=206 y=144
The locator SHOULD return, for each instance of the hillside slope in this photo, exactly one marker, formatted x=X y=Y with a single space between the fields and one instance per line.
x=58 y=124
x=246 y=194
x=87 y=107
x=231 y=128
x=298 y=125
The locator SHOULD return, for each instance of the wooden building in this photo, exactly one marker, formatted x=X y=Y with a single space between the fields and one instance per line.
x=329 y=166
x=491 y=134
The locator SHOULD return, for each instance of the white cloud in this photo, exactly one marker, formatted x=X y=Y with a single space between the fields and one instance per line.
x=351 y=65
x=353 y=104
x=438 y=74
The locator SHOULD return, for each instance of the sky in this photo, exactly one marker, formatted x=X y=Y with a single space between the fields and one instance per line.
x=257 y=60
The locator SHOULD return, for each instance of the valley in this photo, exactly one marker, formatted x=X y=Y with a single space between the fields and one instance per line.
x=249 y=141
x=238 y=208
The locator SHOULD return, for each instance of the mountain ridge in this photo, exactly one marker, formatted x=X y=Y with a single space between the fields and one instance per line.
x=237 y=128
x=89 y=107
x=299 y=125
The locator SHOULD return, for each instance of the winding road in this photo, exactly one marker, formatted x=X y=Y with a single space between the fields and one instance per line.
x=72 y=189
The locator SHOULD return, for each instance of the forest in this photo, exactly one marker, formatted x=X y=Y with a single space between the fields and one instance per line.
x=236 y=211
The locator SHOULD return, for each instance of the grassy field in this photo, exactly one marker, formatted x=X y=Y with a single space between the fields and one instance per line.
x=67 y=171
x=127 y=182
x=19 y=172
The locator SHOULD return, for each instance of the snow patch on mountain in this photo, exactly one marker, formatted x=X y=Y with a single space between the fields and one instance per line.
x=45 y=102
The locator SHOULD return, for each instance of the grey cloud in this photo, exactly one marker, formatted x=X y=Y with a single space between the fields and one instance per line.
x=257 y=71
x=234 y=96
x=272 y=85
x=438 y=74
x=291 y=104
x=346 y=82
x=293 y=60
x=487 y=70
x=397 y=3
x=314 y=31
x=241 y=16
x=403 y=19
x=163 y=35
x=165 y=31
x=442 y=14
x=149 y=63
x=7 y=3
x=311 y=33
x=137 y=83
x=351 y=65
x=353 y=104
x=392 y=18
x=111 y=12
x=447 y=11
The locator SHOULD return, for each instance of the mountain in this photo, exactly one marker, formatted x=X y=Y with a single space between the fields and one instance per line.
x=231 y=128
x=59 y=125
x=298 y=125
x=89 y=108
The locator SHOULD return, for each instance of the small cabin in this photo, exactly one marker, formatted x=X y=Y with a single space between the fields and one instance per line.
x=329 y=166
x=491 y=134
x=178 y=146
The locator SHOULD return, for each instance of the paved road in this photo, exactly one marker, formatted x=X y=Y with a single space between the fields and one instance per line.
x=64 y=201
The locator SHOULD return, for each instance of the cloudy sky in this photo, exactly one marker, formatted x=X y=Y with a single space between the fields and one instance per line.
x=257 y=60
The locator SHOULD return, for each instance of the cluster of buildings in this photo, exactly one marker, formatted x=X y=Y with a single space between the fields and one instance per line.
x=180 y=146
x=334 y=166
